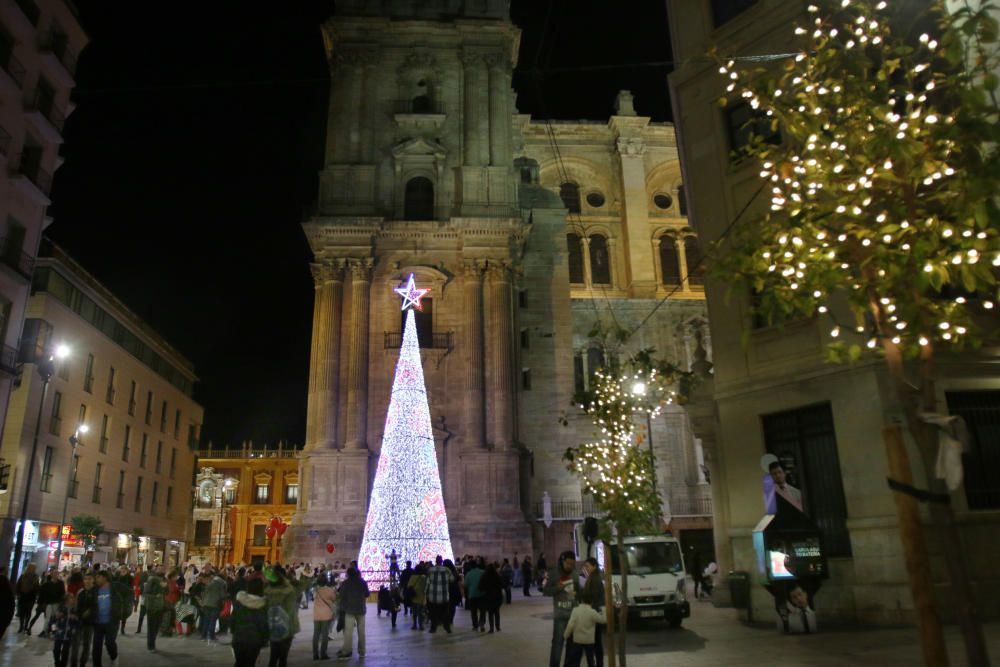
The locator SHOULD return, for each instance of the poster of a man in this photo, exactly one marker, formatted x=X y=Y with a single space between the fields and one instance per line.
x=782 y=487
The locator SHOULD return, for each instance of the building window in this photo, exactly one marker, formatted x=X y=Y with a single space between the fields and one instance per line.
x=88 y=377
x=981 y=412
x=574 y=246
x=149 y=408
x=170 y=498
x=662 y=201
x=263 y=495
x=82 y=417
x=695 y=264
x=125 y=444
x=724 y=11
x=142 y=450
x=156 y=494
x=421 y=104
x=570 y=195
x=173 y=462
x=63 y=370
x=47 y=470
x=202 y=533
x=96 y=496
x=74 y=482
x=291 y=494
x=110 y=394
x=744 y=123
x=670 y=263
x=120 y=500
x=806 y=445
x=260 y=535
x=600 y=262
x=418 y=203
x=55 y=422
x=682 y=202
x=424 y=321
x=163 y=417
x=177 y=424
x=526 y=378
x=579 y=386
x=105 y=434
x=525 y=339
x=595 y=199
x=131 y=400
x=522 y=298
x=138 y=495
x=229 y=495
x=159 y=455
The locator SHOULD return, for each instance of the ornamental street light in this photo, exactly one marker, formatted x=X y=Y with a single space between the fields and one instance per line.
x=639 y=389
x=221 y=540
x=74 y=441
x=46 y=368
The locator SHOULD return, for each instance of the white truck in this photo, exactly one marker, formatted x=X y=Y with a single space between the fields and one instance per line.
x=656 y=578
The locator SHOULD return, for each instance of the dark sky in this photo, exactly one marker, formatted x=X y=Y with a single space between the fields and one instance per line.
x=193 y=152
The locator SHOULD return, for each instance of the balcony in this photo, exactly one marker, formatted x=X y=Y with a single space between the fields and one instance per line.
x=31 y=169
x=281 y=452
x=691 y=506
x=14 y=257
x=568 y=510
x=437 y=341
x=56 y=44
x=46 y=117
x=9 y=361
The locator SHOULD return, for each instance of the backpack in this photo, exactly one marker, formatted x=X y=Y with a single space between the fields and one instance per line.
x=279 y=623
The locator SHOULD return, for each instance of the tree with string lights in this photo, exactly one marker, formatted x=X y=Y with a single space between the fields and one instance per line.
x=879 y=142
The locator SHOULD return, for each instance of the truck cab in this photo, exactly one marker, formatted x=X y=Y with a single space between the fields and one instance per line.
x=656 y=574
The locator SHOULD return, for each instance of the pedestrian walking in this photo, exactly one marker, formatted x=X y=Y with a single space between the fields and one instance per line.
x=249 y=624
x=438 y=596
x=593 y=588
x=418 y=598
x=353 y=597
x=154 y=601
x=581 y=632
x=473 y=596
x=323 y=615
x=213 y=597
x=491 y=587
x=454 y=591
x=109 y=608
x=526 y=577
x=86 y=603
x=561 y=585
x=282 y=612
x=27 y=593
x=7 y=601
x=50 y=596
x=507 y=575
x=404 y=580
x=62 y=626
x=541 y=568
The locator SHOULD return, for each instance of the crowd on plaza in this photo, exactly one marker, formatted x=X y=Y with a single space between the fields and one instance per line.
x=83 y=609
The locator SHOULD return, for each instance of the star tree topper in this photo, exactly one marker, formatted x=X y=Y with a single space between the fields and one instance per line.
x=411 y=294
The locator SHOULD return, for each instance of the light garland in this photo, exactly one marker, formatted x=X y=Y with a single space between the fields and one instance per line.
x=866 y=187
x=406 y=512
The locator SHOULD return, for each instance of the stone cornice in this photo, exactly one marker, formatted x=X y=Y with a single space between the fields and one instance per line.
x=349 y=236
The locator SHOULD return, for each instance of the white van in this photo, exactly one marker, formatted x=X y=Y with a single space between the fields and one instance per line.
x=656 y=575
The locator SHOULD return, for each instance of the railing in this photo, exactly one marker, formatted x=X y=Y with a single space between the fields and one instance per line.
x=8 y=359
x=568 y=509
x=691 y=506
x=438 y=341
x=282 y=452
x=15 y=69
x=13 y=256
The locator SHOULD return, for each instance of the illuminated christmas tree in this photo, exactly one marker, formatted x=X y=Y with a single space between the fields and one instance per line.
x=406 y=513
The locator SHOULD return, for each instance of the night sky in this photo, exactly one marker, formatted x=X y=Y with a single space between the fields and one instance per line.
x=192 y=155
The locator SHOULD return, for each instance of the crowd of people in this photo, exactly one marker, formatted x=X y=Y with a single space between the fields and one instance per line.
x=84 y=609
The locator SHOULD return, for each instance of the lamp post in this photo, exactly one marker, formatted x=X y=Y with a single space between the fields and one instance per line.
x=46 y=367
x=74 y=441
x=639 y=389
x=220 y=548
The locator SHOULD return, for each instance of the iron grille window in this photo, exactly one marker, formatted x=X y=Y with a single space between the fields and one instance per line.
x=177 y=424
x=120 y=500
x=163 y=417
x=131 y=400
x=46 y=485
x=173 y=462
x=424 y=321
x=74 y=483
x=125 y=445
x=109 y=396
x=138 y=495
x=55 y=423
x=170 y=498
x=806 y=444
x=156 y=494
x=142 y=450
x=159 y=455
x=149 y=408
x=981 y=412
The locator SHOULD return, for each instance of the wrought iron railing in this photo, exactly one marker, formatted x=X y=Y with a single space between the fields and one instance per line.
x=568 y=509
x=691 y=506
x=8 y=359
x=282 y=452
x=14 y=256
x=436 y=341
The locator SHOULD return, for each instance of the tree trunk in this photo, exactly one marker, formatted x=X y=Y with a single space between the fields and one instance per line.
x=623 y=612
x=609 y=608
x=942 y=516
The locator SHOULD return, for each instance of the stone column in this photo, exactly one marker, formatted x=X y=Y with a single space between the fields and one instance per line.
x=357 y=369
x=317 y=273
x=474 y=400
x=474 y=85
x=328 y=356
x=682 y=264
x=585 y=249
x=499 y=373
x=500 y=117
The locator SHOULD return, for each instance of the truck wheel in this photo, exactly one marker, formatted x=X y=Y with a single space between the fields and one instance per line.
x=676 y=621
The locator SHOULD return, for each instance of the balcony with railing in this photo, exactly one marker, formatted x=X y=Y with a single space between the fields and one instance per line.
x=282 y=451
x=568 y=510
x=696 y=506
x=435 y=341
x=13 y=255
x=9 y=361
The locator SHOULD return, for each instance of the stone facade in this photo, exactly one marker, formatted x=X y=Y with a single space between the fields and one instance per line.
x=765 y=371
x=430 y=170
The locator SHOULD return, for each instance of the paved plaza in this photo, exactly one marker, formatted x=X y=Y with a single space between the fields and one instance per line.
x=710 y=637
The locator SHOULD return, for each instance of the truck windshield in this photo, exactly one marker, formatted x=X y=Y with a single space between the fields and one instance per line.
x=650 y=558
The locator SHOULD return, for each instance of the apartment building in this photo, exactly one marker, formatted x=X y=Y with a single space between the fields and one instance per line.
x=134 y=465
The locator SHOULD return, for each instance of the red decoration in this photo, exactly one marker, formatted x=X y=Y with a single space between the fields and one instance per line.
x=271 y=532
x=282 y=527
x=274 y=522
x=329 y=548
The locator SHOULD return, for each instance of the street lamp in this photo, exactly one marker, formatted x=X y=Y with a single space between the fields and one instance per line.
x=74 y=441
x=639 y=389
x=228 y=484
x=46 y=368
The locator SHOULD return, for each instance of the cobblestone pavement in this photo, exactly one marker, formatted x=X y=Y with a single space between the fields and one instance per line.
x=710 y=637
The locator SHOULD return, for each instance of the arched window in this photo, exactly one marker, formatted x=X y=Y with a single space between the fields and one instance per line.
x=575 y=246
x=682 y=202
x=421 y=104
x=692 y=255
x=419 y=202
x=570 y=195
x=600 y=262
x=670 y=263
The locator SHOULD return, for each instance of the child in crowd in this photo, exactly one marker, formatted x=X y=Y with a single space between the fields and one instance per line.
x=62 y=626
x=581 y=630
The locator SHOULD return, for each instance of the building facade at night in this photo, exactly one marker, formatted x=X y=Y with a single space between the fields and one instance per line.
x=431 y=170
x=236 y=494
x=134 y=466
x=774 y=391
x=39 y=44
